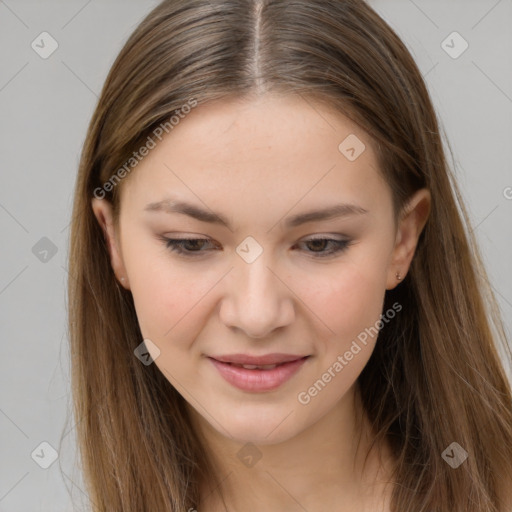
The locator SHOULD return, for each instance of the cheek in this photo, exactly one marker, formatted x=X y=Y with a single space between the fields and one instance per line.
x=170 y=306
x=168 y=296
x=350 y=304
x=346 y=300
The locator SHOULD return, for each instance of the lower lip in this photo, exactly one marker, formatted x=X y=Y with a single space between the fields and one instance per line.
x=258 y=380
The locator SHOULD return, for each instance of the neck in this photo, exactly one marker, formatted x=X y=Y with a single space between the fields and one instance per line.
x=321 y=468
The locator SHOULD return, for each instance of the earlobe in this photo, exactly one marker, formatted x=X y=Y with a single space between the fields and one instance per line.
x=410 y=225
x=103 y=212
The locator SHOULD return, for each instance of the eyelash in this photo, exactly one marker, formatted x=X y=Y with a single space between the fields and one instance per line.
x=176 y=245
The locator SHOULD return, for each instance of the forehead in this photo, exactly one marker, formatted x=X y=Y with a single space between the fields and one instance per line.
x=270 y=150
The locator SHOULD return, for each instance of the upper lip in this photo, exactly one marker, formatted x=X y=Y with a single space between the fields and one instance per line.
x=257 y=360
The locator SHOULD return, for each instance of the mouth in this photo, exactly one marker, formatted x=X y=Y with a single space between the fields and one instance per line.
x=258 y=373
x=256 y=367
x=258 y=361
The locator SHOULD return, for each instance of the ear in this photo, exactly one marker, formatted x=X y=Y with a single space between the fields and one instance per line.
x=410 y=225
x=104 y=215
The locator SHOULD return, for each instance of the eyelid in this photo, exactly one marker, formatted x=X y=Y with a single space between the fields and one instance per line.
x=341 y=245
x=305 y=238
x=196 y=236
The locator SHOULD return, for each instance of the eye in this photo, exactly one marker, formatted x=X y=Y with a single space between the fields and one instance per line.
x=185 y=246
x=318 y=244
x=193 y=247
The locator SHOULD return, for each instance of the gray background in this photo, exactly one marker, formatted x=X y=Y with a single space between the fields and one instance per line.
x=45 y=107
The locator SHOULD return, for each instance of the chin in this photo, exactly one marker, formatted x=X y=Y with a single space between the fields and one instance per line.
x=260 y=425
x=260 y=435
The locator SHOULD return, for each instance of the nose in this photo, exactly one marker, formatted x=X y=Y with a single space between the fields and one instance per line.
x=257 y=300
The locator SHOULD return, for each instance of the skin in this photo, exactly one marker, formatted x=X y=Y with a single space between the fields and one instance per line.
x=256 y=163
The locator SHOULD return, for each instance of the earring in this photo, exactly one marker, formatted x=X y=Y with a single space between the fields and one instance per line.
x=398 y=276
x=122 y=279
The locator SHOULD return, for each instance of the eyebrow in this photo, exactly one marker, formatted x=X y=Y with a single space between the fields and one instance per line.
x=182 y=207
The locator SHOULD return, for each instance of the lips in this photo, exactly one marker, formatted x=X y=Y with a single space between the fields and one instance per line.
x=268 y=359
x=255 y=367
x=258 y=373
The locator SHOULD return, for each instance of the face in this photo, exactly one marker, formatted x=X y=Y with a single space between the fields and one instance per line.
x=243 y=276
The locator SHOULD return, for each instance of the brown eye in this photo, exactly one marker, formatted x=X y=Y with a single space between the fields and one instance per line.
x=318 y=246
x=186 y=246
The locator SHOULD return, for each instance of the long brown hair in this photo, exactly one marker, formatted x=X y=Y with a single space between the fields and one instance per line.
x=435 y=376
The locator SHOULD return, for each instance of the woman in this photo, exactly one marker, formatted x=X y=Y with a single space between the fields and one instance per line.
x=274 y=301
